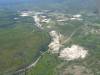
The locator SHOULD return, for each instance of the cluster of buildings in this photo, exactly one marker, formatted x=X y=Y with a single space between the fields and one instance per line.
x=43 y=18
x=63 y=18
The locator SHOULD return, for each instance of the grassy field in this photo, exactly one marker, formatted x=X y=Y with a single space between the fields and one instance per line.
x=51 y=65
x=20 y=44
x=46 y=65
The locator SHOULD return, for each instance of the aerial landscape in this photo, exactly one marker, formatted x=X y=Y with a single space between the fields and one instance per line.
x=49 y=37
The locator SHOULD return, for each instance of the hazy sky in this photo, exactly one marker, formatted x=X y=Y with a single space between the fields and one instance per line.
x=71 y=3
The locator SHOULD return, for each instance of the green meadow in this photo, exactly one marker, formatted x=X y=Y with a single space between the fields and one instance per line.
x=20 y=44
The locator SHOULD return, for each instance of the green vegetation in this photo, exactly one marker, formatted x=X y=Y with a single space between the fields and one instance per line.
x=46 y=65
x=49 y=65
x=92 y=43
x=20 y=45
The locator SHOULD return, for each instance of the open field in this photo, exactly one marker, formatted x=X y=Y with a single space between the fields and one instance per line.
x=20 y=45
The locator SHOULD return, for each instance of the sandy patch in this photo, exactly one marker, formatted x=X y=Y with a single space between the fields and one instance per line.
x=37 y=21
x=73 y=52
x=76 y=70
x=24 y=14
x=55 y=44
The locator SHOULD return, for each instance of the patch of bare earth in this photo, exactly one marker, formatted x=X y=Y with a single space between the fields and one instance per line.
x=76 y=70
x=68 y=53
x=73 y=52
x=55 y=44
